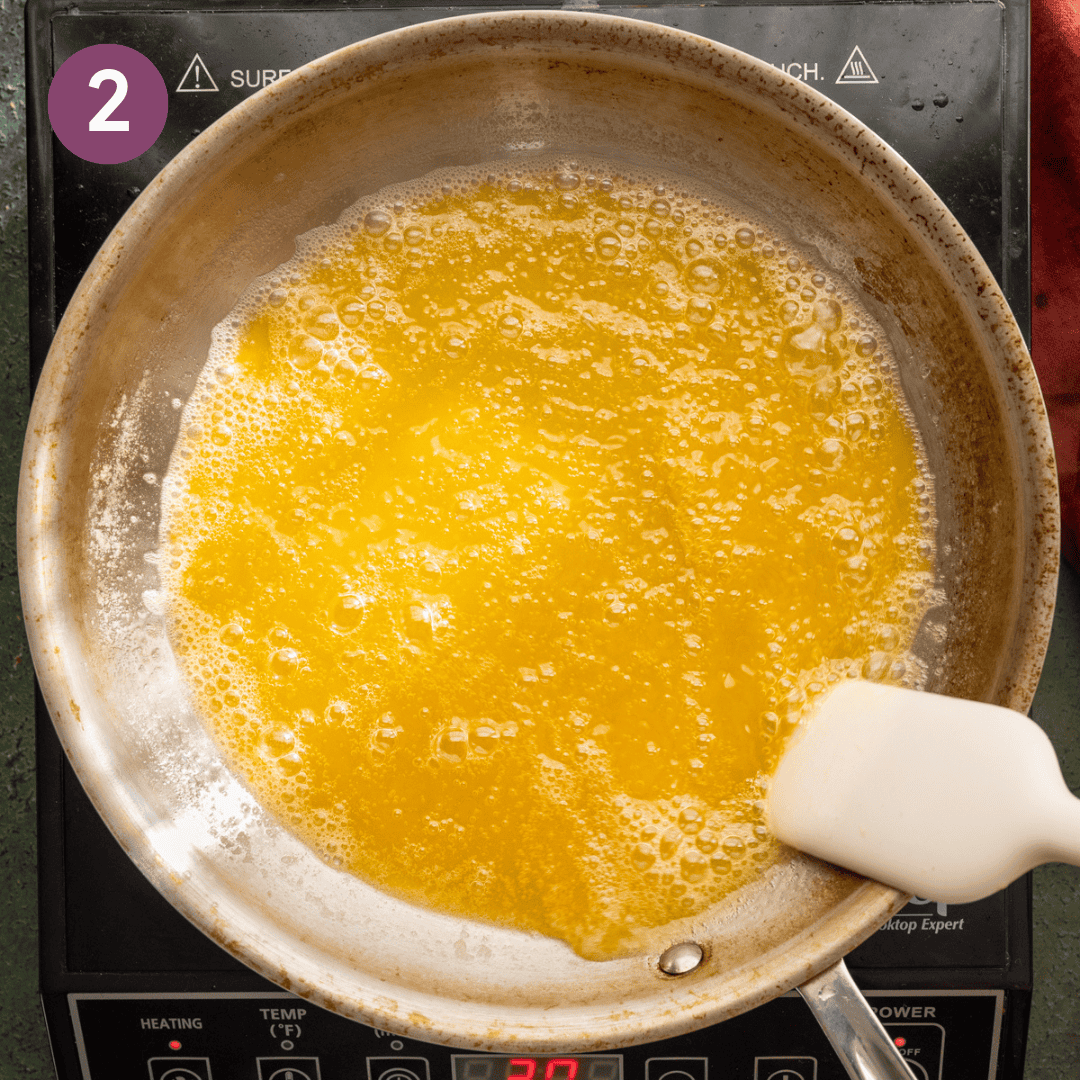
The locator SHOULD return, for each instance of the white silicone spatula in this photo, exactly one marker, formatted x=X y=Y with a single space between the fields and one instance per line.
x=944 y=798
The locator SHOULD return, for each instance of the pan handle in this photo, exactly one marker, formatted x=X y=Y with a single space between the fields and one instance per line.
x=856 y=1034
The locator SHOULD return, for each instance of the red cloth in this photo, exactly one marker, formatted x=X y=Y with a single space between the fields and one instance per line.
x=1055 y=239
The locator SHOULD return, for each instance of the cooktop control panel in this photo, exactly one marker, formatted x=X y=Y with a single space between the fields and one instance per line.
x=276 y=1036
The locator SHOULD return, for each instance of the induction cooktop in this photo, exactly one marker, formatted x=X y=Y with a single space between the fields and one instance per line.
x=129 y=988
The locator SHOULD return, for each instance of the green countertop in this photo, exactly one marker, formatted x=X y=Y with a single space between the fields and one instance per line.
x=1054 y=1042
x=25 y=1051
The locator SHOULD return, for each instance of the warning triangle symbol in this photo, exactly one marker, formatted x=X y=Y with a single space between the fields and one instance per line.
x=197 y=80
x=857 y=70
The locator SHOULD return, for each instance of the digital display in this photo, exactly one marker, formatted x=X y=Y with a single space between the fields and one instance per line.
x=555 y=1067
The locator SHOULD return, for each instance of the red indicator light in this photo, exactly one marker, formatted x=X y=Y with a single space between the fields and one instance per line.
x=174 y=1044
x=900 y=1040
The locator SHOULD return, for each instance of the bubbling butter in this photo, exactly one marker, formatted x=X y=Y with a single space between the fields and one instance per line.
x=515 y=523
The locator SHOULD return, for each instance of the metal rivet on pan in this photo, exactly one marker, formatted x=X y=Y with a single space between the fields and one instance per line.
x=681 y=958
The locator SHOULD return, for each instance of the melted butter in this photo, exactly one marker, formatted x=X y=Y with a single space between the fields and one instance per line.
x=515 y=524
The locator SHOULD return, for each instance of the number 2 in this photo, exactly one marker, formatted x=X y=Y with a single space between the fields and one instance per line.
x=100 y=120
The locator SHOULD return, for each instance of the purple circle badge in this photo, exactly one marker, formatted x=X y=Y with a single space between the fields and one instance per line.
x=108 y=104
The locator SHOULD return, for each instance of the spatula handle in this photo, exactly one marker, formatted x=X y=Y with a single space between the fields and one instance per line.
x=1060 y=823
x=856 y=1034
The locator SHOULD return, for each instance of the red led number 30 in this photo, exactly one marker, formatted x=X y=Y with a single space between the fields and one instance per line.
x=528 y=1065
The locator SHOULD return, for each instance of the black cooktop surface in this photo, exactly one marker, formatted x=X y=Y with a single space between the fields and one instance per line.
x=944 y=83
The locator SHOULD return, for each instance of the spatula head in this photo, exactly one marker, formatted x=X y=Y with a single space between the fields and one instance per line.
x=944 y=798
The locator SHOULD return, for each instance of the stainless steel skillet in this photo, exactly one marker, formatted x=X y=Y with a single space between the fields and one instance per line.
x=227 y=209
